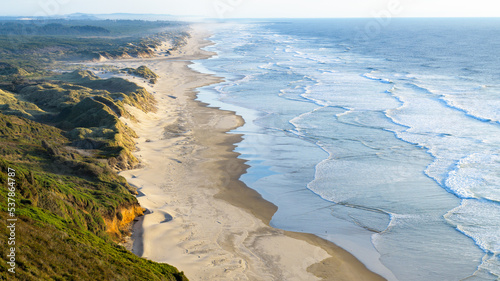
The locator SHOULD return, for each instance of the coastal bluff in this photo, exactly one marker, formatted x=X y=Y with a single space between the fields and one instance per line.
x=64 y=139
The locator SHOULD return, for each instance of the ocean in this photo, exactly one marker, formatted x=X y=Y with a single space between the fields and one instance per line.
x=385 y=141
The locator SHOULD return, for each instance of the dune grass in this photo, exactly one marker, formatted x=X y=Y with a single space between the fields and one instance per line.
x=63 y=200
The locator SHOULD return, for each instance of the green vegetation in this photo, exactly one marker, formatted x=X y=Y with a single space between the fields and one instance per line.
x=119 y=90
x=9 y=104
x=35 y=46
x=87 y=108
x=64 y=201
x=17 y=28
x=143 y=72
x=7 y=69
x=63 y=135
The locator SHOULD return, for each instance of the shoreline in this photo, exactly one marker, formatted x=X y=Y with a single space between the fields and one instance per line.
x=202 y=219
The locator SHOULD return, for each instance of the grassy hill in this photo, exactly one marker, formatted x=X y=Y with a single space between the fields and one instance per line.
x=87 y=108
x=143 y=72
x=63 y=136
x=70 y=208
x=34 y=47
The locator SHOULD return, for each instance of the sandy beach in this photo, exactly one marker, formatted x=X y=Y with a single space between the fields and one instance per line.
x=200 y=217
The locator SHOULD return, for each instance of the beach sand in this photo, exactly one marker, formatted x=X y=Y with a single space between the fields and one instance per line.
x=201 y=218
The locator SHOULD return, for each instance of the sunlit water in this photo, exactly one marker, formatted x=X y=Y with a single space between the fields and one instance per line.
x=388 y=146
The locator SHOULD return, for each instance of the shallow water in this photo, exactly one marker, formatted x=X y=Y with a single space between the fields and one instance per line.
x=389 y=147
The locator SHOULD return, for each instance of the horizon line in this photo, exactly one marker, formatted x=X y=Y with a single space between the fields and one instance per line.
x=225 y=18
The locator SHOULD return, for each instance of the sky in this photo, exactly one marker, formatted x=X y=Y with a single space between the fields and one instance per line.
x=258 y=8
